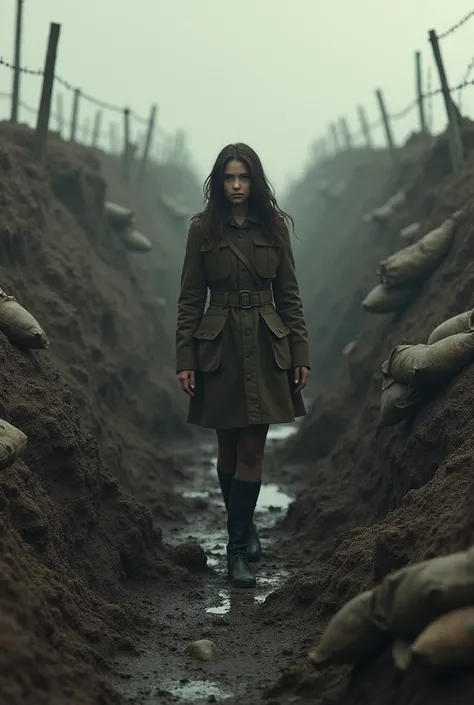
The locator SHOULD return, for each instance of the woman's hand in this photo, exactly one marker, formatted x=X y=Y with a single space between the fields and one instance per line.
x=187 y=380
x=301 y=378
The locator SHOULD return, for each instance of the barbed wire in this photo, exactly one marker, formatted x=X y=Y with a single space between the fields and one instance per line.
x=86 y=96
x=457 y=26
x=467 y=73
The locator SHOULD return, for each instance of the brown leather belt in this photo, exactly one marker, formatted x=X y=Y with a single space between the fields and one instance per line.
x=241 y=299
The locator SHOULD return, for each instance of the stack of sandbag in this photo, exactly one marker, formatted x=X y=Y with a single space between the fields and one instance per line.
x=384 y=213
x=122 y=220
x=12 y=444
x=417 y=262
x=403 y=273
x=407 y=606
x=20 y=327
x=412 y=369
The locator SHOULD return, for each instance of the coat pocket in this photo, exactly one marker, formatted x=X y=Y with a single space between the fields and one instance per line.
x=209 y=339
x=216 y=261
x=280 y=338
x=267 y=257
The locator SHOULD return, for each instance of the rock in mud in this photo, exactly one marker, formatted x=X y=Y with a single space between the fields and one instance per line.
x=203 y=650
x=189 y=555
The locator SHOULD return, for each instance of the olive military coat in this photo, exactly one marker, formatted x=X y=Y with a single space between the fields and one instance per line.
x=245 y=345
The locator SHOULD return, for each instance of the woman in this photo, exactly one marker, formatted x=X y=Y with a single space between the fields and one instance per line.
x=244 y=361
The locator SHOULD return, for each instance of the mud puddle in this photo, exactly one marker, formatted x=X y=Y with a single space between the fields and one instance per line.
x=163 y=673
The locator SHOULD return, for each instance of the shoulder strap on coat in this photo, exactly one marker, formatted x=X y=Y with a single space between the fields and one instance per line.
x=240 y=255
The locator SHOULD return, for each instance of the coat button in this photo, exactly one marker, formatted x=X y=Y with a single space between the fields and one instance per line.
x=247 y=331
x=249 y=376
x=241 y=234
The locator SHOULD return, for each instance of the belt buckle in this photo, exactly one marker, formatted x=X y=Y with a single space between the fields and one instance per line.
x=245 y=292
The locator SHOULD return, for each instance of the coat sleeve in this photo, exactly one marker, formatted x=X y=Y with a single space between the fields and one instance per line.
x=289 y=305
x=191 y=302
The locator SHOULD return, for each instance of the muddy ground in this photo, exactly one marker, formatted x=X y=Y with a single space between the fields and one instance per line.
x=112 y=530
x=251 y=657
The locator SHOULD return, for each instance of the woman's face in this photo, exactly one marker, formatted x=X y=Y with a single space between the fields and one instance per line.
x=236 y=182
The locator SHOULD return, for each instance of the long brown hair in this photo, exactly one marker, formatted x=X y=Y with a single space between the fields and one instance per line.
x=262 y=201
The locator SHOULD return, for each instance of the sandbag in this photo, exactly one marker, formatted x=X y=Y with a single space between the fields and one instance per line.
x=410 y=232
x=385 y=212
x=118 y=216
x=398 y=401
x=383 y=299
x=136 y=241
x=416 y=262
x=351 y=635
x=422 y=365
x=409 y=599
x=448 y=641
x=12 y=444
x=19 y=325
x=462 y=323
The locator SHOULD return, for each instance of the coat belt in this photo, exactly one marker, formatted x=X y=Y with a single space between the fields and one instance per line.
x=241 y=299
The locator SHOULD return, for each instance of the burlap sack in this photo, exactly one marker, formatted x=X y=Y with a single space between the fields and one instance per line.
x=118 y=216
x=398 y=402
x=415 y=263
x=422 y=365
x=462 y=323
x=407 y=601
x=448 y=641
x=385 y=212
x=410 y=232
x=351 y=635
x=384 y=300
x=136 y=241
x=12 y=444
x=19 y=325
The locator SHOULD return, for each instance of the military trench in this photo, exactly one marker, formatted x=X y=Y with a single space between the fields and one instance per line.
x=111 y=526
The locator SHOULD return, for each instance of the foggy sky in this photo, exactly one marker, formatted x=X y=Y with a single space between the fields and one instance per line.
x=272 y=73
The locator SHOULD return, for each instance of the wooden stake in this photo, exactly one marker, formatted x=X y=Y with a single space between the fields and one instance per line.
x=364 y=124
x=44 y=112
x=17 y=62
x=386 y=121
x=455 y=142
x=335 y=137
x=419 y=93
x=96 y=130
x=75 y=114
x=148 y=143
x=60 y=113
x=346 y=133
x=126 y=145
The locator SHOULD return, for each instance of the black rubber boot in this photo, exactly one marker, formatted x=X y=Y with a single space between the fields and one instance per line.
x=254 y=547
x=243 y=498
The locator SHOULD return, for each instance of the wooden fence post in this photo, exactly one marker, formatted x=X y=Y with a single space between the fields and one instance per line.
x=60 y=113
x=364 y=125
x=386 y=122
x=346 y=133
x=17 y=62
x=419 y=93
x=148 y=143
x=96 y=130
x=44 y=112
x=75 y=114
x=126 y=145
x=86 y=130
x=113 y=138
x=455 y=142
x=335 y=138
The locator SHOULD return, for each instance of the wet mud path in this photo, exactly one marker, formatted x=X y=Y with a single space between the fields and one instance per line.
x=252 y=651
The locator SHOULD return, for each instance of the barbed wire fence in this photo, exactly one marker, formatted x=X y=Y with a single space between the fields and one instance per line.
x=137 y=139
x=340 y=138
